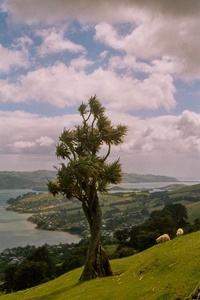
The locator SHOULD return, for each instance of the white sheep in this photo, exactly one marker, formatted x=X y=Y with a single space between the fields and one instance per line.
x=163 y=238
x=179 y=232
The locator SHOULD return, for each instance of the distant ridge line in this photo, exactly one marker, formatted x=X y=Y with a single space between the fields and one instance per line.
x=37 y=180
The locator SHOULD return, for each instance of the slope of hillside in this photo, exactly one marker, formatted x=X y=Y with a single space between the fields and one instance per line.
x=167 y=271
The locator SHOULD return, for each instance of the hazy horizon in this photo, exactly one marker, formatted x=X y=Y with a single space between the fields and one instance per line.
x=182 y=178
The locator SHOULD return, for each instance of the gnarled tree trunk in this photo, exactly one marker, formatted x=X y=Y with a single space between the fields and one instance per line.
x=97 y=263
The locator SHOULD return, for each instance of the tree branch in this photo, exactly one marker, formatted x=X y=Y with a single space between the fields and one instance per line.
x=108 y=153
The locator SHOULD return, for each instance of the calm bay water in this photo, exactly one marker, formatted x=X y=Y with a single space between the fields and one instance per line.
x=16 y=231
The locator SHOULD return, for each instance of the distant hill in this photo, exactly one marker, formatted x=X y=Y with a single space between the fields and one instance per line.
x=136 y=178
x=37 y=180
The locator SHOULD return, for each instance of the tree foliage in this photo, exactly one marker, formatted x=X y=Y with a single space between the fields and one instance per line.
x=81 y=148
x=167 y=220
x=38 y=267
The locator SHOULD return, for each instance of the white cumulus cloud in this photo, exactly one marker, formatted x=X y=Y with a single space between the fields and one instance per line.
x=12 y=58
x=63 y=86
x=53 y=41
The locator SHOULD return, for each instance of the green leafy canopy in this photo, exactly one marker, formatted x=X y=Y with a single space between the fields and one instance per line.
x=81 y=147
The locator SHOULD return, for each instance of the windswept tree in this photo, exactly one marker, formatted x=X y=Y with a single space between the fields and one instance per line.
x=85 y=173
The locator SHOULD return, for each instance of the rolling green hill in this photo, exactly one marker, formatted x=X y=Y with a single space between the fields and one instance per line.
x=67 y=215
x=167 y=271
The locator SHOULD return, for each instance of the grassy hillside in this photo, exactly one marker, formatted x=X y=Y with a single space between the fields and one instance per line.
x=164 y=272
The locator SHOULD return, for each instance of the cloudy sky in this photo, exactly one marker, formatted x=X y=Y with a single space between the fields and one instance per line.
x=140 y=57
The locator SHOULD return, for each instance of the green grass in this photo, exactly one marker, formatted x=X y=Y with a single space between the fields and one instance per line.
x=193 y=211
x=186 y=189
x=35 y=198
x=163 y=272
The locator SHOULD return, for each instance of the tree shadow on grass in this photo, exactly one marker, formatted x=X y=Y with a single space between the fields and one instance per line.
x=55 y=294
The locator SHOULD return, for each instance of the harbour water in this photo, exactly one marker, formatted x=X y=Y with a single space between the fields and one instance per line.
x=16 y=231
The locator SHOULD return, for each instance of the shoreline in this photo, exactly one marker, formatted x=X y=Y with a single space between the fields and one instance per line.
x=17 y=231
